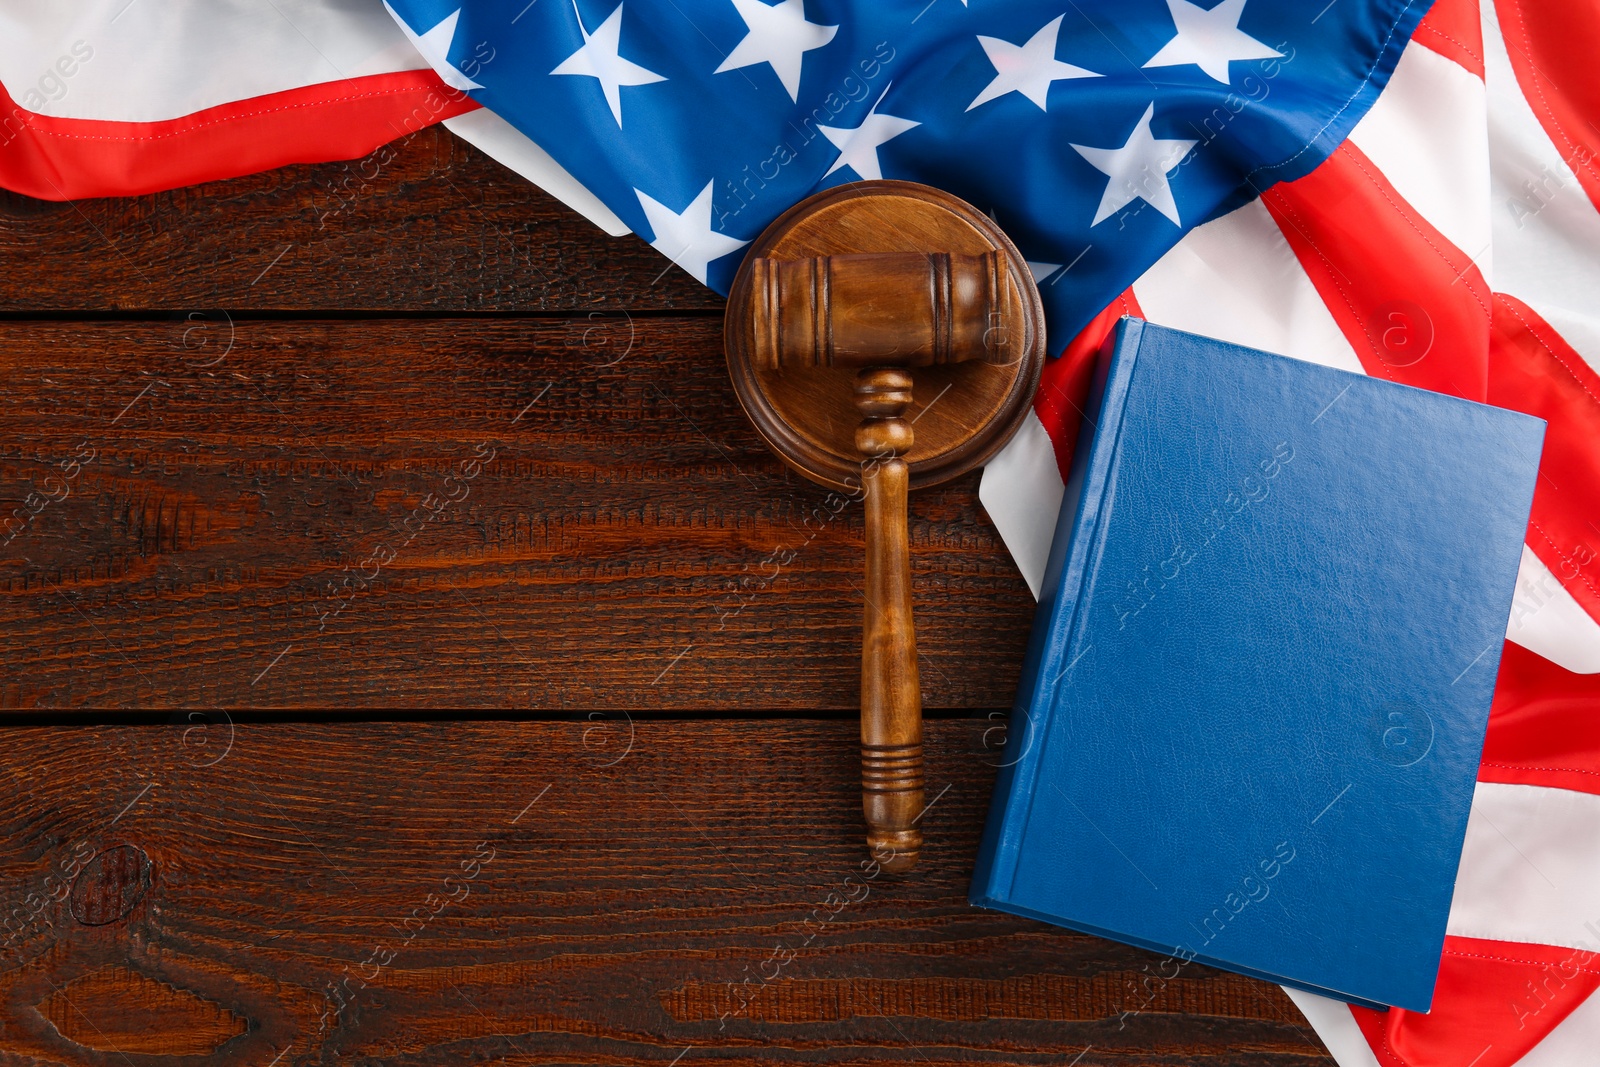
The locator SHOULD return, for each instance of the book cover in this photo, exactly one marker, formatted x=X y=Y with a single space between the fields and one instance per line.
x=1255 y=694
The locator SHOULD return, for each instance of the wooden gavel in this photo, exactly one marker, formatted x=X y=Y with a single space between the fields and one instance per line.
x=795 y=322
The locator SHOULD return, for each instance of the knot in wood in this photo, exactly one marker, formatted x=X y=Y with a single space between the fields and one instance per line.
x=109 y=886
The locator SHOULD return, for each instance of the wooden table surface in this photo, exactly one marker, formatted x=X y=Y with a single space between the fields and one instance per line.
x=411 y=438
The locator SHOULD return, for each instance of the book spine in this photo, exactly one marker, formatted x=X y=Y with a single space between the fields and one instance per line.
x=1054 y=620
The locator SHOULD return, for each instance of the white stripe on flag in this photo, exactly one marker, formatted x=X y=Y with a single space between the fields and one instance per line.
x=1332 y=1021
x=1021 y=490
x=1530 y=867
x=1425 y=133
x=1545 y=228
x=1546 y=620
x=162 y=59
x=1237 y=279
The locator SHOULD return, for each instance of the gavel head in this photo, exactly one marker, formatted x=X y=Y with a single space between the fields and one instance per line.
x=881 y=276
x=885 y=309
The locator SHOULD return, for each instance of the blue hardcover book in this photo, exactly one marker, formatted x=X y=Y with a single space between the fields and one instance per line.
x=1255 y=694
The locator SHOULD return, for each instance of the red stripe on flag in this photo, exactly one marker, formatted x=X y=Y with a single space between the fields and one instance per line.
x=1553 y=44
x=1532 y=369
x=1452 y=29
x=1064 y=385
x=1417 y=311
x=1494 y=1002
x=1413 y=306
x=67 y=159
x=1543 y=730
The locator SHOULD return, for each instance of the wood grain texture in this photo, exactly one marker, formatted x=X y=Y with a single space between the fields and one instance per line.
x=395 y=472
x=598 y=892
x=496 y=513
x=426 y=224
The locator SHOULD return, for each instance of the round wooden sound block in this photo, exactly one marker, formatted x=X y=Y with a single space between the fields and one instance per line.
x=962 y=412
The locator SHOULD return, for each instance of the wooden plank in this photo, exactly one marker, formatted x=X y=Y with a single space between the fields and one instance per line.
x=428 y=223
x=443 y=513
x=557 y=892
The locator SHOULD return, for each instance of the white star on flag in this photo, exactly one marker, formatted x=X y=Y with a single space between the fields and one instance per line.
x=599 y=59
x=686 y=237
x=1027 y=68
x=778 y=35
x=1209 y=39
x=435 y=48
x=858 y=147
x=1137 y=170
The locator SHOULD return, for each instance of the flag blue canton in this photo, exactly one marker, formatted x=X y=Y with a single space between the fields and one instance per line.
x=1096 y=135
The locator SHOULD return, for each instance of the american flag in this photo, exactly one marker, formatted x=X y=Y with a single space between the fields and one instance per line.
x=1351 y=183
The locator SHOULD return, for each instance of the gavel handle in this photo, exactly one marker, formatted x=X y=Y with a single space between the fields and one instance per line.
x=891 y=699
